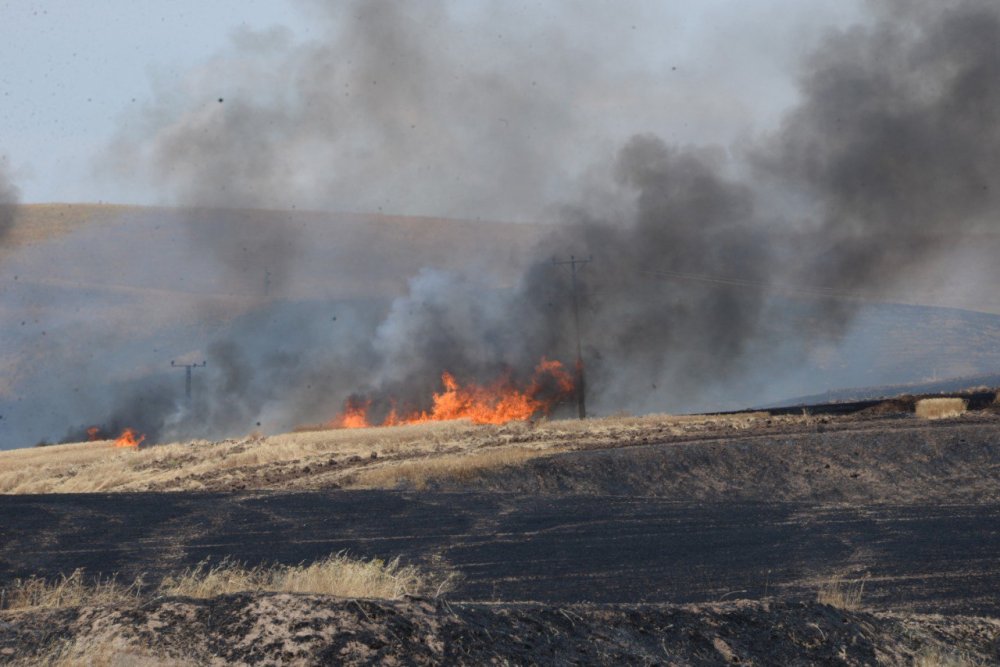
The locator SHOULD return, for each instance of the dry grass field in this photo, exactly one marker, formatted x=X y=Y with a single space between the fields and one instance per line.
x=37 y=223
x=382 y=457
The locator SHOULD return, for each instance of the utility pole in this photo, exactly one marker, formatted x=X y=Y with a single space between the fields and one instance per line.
x=572 y=262
x=187 y=376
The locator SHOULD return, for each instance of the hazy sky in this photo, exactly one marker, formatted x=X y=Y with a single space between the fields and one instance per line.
x=72 y=73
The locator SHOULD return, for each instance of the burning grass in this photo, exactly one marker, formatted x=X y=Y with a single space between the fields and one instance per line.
x=500 y=402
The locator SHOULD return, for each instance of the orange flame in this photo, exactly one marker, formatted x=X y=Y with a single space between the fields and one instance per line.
x=497 y=403
x=129 y=438
x=93 y=433
x=355 y=415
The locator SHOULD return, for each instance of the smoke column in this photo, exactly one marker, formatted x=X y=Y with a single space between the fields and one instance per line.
x=10 y=196
x=888 y=157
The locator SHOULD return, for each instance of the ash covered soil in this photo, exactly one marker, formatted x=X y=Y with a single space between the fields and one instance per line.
x=303 y=629
x=617 y=542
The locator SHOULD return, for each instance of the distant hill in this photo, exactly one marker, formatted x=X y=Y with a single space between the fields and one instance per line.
x=335 y=254
x=894 y=349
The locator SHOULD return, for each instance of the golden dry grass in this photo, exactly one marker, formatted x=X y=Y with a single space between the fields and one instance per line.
x=338 y=575
x=417 y=474
x=38 y=223
x=940 y=408
x=71 y=590
x=375 y=457
x=842 y=594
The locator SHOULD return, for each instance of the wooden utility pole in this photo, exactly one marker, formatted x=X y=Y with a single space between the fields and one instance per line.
x=581 y=400
x=187 y=376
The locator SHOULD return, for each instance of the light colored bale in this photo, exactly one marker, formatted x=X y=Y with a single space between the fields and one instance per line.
x=940 y=408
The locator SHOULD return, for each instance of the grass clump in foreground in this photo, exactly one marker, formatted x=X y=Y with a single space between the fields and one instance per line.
x=337 y=575
x=71 y=590
x=842 y=595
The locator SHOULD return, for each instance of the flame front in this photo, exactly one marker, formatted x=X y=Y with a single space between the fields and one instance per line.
x=355 y=415
x=93 y=433
x=496 y=403
x=129 y=438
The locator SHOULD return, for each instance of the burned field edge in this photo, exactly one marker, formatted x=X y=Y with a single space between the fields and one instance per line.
x=460 y=455
x=274 y=628
x=536 y=534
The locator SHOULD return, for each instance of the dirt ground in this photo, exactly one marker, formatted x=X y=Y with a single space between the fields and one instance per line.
x=304 y=630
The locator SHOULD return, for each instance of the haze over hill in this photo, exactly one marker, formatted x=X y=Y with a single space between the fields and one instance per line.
x=722 y=275
x=123 y=295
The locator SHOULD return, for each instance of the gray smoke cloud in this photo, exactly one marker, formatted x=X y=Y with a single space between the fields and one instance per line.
x=888 y=157
x=10 y=197
x=896 y=142
x=893 y=147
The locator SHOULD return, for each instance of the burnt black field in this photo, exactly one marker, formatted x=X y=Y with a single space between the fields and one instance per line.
x=549 y=549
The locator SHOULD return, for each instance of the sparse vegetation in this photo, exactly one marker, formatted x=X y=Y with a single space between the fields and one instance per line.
x=842 y=594
x=940 y=408
x=337 y=575
x=71 y=590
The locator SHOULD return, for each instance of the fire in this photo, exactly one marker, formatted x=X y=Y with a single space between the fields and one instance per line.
x=497 y=403
x=93 y=433
x=129 y=438
x=355 y=415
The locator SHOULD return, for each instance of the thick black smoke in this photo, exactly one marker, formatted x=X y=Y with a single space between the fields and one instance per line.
x=895 y=147
x=706 y=260
x=897 y=140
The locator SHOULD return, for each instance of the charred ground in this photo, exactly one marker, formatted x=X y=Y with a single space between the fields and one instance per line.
x=606 y=525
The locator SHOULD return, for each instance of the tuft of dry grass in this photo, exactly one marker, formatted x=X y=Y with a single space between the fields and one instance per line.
x=336 y=575
x=71 y=590
x=940 y=408
x=843 y=595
